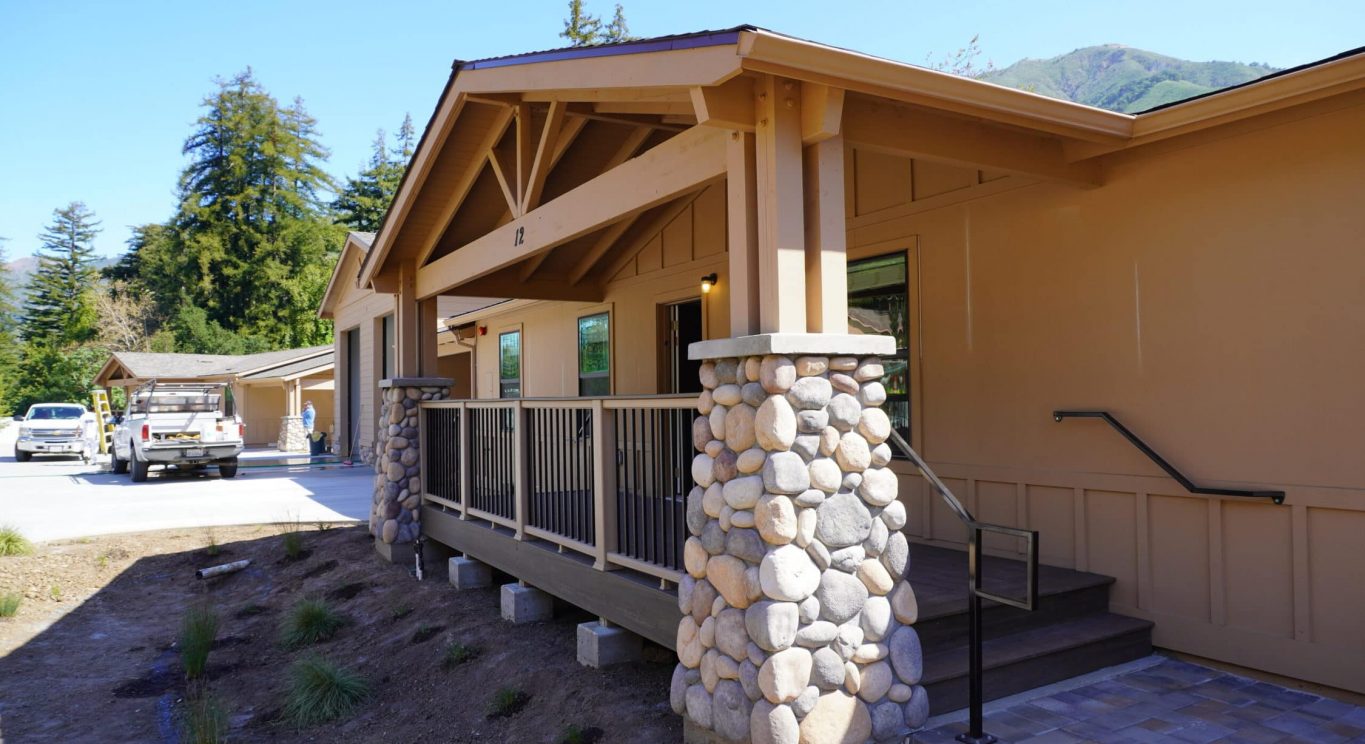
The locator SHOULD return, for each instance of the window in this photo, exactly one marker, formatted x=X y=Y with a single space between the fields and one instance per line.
x=387 y=344
x=509 y=365
x=878 y=304
x=594 y=355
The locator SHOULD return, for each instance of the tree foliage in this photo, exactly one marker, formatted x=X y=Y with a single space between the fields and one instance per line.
x=59 y=310
x=962 y=62
x=582 y=28
x=9 y=337
x=364 y=200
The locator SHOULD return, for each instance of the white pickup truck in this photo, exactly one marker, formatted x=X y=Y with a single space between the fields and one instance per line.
x=178 y=424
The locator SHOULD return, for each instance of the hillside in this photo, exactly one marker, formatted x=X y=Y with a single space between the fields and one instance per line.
x=1121 y=78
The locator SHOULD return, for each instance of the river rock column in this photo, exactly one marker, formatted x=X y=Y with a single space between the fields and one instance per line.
x=797 y=618
x=395 y=516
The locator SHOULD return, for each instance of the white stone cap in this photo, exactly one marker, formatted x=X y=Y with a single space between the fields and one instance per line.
x=824 y=344
x=416 y=382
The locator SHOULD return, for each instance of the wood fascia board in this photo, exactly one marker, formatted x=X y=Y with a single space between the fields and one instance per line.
x=681 y=164
x=599 y=248
x=655 y=227
x=925 y=134
x=447 y=111
x=332 y=294
x=729 y=106
x=451 y=204
x=677 y=68
x=841 y=68
x=1321 y=81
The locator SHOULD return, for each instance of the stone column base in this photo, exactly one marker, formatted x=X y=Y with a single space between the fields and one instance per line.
x=395 y=517
x=293 y=437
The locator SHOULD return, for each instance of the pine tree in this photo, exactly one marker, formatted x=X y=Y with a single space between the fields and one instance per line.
x=617 y=30
x=581 y=28
x=59 y=310
x=407 y=141
x=250 y=244
x=365 y=199
x=9 y=340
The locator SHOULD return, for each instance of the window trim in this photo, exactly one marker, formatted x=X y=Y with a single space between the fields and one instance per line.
x=578 y=352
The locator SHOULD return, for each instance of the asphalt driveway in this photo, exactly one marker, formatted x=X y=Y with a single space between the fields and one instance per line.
x=49 y=498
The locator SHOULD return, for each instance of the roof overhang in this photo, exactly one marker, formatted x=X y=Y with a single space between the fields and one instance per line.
x=356 y=243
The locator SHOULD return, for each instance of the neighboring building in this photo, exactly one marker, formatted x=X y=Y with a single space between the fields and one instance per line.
x=1194 y=270
x=365 y=343
x=267 y=387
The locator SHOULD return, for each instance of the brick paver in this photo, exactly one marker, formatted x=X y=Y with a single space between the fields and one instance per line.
x=1170 y=701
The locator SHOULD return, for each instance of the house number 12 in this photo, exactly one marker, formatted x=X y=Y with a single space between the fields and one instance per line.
x=520 y=234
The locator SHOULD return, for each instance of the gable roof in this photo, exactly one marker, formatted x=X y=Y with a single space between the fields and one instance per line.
x=139 y=365
x=357 y=243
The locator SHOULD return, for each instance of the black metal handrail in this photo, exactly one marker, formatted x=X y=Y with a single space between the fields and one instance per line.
x=975 y=734
x=1275 y=496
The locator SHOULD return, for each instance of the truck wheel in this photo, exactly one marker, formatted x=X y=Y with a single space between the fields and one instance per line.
x=22 y=456
x=139 y=467
x=228 y=469
x=120 y=466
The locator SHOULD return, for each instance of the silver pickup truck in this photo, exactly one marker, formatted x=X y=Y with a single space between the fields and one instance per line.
x=178 y=424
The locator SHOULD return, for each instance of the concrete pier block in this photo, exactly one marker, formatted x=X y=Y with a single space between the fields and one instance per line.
x=467 y=573
x=525 y=604
x=601 y=645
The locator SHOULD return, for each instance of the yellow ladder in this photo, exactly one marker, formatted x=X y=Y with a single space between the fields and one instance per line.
x=104 y=420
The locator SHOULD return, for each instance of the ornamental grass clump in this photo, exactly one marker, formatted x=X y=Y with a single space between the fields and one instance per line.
x=13 y=542
x=507 y=701
x=9 y=604
x=198 y=631
x=320 y=691
x=457 y=653
x=310 y=621
x=204 y=721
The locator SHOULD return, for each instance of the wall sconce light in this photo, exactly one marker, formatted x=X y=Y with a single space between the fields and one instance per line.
x=707 y=282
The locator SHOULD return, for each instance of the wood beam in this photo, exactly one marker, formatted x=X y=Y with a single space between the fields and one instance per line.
x=682 y=164
x=495 y=99
x=503 y=284
x=501 y=174
x=729 y=106
x=567 y=134
x=741 y=210
x=822 y=112
x=654 y=227
x=466 y=182
x=407 y=322
x=654 y=108
x=599 y=248
x=826 y=238
x=526 y=149
x=427 y=341
x=540 y=167
x=921 y=133
x=586 y=111
x=532 y=265
x=781 y=228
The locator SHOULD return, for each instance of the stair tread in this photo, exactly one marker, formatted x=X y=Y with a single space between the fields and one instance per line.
x=939 y=578
x=1003 y=650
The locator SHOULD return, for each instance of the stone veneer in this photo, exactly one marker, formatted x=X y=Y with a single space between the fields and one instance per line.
x=293 y=437
x=796 y=615
x=395 y=516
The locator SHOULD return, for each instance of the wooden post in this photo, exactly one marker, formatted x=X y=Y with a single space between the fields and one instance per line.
x=407 y=322
x=520 y=470
x=462 y=452
x=826 y=238
x=742 y=225
x=604 y=483
x=781 y=228
x=427 y=341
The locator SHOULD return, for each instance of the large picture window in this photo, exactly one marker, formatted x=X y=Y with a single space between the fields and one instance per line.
x=594 y=355
x=509 y=364
x=878 y=304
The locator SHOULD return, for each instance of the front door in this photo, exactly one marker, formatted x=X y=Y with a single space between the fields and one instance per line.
x=682 y=327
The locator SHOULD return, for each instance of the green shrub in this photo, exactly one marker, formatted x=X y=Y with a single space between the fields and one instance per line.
x=457 y=653
x=507 y=701
x=198 y=631
x=310 y=621
x=205 y=721
x=9 y=604
x=13 y=542
x=293 y=545
x=320 y=690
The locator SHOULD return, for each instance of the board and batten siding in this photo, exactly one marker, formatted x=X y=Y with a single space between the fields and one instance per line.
x=1210 y=295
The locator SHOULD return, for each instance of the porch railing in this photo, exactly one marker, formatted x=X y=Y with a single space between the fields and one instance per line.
x=605 y=477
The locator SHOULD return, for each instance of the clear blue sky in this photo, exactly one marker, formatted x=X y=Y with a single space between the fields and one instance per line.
x=97 y=97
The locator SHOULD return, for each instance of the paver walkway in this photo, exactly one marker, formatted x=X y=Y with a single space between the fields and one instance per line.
x=1167 y=701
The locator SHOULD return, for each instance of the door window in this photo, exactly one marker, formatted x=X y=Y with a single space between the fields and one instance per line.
x=594 y=355
x=509 y=365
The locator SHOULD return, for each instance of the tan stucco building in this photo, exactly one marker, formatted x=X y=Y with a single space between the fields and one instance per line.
x=1194 y=270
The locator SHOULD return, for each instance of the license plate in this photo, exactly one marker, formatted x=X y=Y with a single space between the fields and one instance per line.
x=194 y=453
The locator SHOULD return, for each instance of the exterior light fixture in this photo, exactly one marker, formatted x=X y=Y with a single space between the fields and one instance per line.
x=707 y=282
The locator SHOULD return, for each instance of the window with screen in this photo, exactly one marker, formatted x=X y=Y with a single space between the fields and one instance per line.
x=509 y=365
x=878 y=303
x=594 y=355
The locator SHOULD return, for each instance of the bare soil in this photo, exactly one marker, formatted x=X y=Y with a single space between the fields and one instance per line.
x=95 y=660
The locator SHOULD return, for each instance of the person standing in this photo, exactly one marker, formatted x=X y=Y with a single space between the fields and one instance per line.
x=309 y=415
